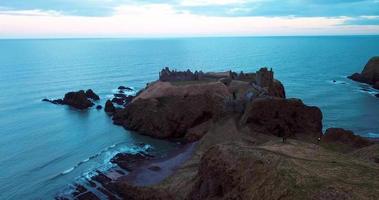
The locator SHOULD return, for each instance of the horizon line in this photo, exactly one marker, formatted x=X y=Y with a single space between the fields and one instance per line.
x=181 y=36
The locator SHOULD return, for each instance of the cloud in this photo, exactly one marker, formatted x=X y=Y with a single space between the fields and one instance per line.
x=145 y=18
x=165 y=20
x=237 y=8
x=363 y=20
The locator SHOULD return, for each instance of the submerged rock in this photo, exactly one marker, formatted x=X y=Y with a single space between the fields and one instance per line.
x=99 y=107
x=125 y=88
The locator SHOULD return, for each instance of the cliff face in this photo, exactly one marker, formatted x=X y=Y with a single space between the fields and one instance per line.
x=167 y=109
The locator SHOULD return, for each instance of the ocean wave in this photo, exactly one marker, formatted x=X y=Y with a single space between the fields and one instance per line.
x=68 y=171
x=132 y=92
x=108 y=153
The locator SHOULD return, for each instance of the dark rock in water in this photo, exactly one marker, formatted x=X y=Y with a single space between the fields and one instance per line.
x=77 y=100
x=283 y=117
x=109 y=107
x=55 y=101
x=377 y=95
x=334 y=81
x=118 y=101
x=345 y=137
x=99 y=107
x=125 y=88
x=121 y=92
x=120 y=95
x=92 y=95
x=370 y=73
x=128 y=161
x=357 y=77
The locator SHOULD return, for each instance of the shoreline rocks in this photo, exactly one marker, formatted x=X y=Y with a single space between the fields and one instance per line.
x=80 y=100
x=370 y=73
x=109 y=107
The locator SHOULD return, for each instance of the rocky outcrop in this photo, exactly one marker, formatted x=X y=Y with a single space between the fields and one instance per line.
x=370 y=73
x=283 y=117
x=80 y=100
x=91 y=95
x=166 y=111
x=129 y=161
x=345 y=137
x=77 y=100
x=109 y=107
x=169 y=108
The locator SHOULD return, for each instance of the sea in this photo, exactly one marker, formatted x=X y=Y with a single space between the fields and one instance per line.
x=46 y=147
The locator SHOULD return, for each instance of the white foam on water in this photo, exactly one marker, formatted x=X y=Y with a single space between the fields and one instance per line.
x=68 y=171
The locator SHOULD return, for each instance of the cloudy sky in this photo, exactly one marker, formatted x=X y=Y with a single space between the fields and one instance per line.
x=157 y=18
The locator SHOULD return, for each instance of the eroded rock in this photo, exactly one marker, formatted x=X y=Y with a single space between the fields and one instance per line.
x=283 y=117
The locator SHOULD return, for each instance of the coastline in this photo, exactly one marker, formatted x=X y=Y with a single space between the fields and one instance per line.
x=154 y=171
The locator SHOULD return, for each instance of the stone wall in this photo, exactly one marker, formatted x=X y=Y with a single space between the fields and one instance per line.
x=264 y=77
x=172 y=75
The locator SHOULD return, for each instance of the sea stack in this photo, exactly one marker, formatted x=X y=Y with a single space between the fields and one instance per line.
x=370 y=73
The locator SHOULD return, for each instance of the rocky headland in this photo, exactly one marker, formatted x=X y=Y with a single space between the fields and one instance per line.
x=244 y=140
x=369 y=74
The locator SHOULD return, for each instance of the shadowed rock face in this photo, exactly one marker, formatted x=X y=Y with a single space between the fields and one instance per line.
x=346 y=137
x=283 y=117
x=169 y=117
x=370 y=73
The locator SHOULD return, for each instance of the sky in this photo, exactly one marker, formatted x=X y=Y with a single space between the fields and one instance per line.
x=176 y=18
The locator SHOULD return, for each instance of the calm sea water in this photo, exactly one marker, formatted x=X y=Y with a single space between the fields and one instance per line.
x=44 y=147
